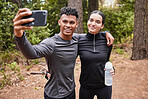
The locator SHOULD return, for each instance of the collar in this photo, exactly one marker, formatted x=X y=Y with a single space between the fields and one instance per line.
x=89 y=35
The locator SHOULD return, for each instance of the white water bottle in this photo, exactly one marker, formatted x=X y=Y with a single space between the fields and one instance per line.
x=108 y=76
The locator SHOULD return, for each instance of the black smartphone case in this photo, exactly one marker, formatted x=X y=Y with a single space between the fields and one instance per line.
x=40 y=17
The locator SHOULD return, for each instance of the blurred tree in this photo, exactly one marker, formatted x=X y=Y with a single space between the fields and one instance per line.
x=17 y=2
x=7 y=12
x=92 y=5
x=120 y=20
x=78 y=5
x=101 y=3
x=85 y=15
x=140 y=40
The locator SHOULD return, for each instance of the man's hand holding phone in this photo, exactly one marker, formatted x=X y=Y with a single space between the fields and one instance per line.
x=18 y=21
x=26 y=19
x=39 y=16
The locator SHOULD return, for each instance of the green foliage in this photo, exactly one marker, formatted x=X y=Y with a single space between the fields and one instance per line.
x=53 y=7
x=119 y=51
x=37 y=34
x=8 y=57
x=28 y=67
x=127 y=5
x=85 y=15
x=120 y=21
x=14 y=66
x=8 y=11
x=35 y=61
x=6 y=79
x=20 y=76
x=10 y=67
x=37 y=88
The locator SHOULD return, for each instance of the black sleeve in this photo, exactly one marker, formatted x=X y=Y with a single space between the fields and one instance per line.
x=109 y=52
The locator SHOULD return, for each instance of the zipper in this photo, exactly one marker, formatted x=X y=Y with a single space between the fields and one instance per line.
x=94 y=43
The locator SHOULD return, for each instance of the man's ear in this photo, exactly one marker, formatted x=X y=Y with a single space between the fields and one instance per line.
x=59 y=22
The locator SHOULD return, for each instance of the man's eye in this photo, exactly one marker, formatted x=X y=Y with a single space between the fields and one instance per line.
x=65 y=21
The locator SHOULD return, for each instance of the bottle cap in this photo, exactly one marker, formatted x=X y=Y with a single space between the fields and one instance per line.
x=108 y=65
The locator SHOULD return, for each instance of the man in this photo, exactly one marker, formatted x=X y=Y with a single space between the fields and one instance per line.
x=60 y=52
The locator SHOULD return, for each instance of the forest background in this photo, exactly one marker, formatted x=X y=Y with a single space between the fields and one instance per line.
x=125 y=20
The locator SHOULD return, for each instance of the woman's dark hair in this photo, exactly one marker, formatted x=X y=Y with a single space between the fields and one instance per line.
x=100 y=13
x=69 y=11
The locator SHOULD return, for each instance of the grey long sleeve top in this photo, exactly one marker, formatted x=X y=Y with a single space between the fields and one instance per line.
x=60 y=56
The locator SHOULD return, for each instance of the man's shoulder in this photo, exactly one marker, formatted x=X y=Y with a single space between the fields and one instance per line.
x=51 y=38
x=49 y=41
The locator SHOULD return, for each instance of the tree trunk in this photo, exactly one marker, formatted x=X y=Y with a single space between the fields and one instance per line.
x=18 y=2
x=140 y=40
x=92 y=5
x=101 y=3
x=25 y=1
x=78 y=5
x=85 y=6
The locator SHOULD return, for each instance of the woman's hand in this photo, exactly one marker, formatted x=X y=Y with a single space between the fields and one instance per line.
x=110 y=39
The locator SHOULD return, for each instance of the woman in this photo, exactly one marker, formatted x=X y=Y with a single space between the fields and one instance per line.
x=94 y=53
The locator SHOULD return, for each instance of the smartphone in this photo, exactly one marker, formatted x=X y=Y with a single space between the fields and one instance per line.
x=40 y=17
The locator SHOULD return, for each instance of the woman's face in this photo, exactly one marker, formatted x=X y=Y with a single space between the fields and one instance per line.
x=94 y=23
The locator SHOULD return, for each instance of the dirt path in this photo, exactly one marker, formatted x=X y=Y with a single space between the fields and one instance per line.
x=130 y=82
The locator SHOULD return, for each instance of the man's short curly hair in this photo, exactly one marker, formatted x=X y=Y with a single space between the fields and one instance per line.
x=69 y=11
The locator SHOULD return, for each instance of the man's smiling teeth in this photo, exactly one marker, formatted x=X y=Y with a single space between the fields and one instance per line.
x=67 y=29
